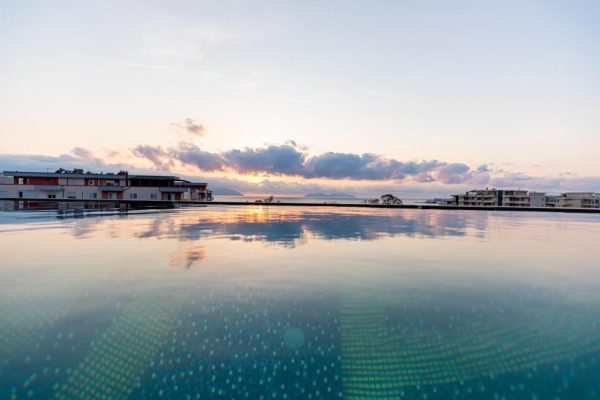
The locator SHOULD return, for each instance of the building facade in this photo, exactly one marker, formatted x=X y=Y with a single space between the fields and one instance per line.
x=523 y=198
x=574 y=200
x=494 y=198
x=90 y=186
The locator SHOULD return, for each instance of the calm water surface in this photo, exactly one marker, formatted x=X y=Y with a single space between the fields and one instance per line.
x=296 y=303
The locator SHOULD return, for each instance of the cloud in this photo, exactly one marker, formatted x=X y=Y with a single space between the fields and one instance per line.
x=190 y=154
x=189 y=126
x=155 y=154
x=295 y=172
x=270 y=160
x=453 y=173
x=78 y=157
x=289 y=160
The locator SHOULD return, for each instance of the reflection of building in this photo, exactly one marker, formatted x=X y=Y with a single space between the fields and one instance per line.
x=522 y=198
x=89 y=186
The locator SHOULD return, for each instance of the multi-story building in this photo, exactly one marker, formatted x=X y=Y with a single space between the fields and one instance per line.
x=537 y=199
x=514 y=198
x=574 y=200
x=480 y=198
x=76 y=184
x=523 y=198
x=494 y=198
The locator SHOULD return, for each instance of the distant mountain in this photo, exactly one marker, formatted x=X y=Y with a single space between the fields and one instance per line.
x=220 y=191
x=333 y=195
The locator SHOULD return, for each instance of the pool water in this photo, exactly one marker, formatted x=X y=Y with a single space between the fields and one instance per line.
x=299 y=303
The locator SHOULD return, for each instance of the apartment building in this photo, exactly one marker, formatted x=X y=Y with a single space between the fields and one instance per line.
x=574 y=200
x=479 y=198
x=523 y=198
x=494 y=198
x=76 y=184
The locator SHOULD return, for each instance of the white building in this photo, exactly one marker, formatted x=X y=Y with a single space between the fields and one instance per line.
x=90 y=186
x=479 y=198
x=537 y=199
x=494 y=198
x=523 y=198
x=574 y=200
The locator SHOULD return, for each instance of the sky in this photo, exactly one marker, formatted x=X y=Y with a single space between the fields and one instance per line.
x=431 y=97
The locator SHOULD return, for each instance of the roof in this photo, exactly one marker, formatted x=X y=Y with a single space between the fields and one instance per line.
x=155 y=177
x=61 y=175
x=195 y=184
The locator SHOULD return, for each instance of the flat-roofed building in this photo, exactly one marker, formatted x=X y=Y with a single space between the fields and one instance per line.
x=479 y=198
x=494 y=198
x=514 y=198
x=537 y=199
x=76 y=184
x=574 y=200
x=500 y=198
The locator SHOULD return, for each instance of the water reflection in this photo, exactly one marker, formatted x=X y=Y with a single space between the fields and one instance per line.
x=258 y=302
x=286 y=227
x=187 y=257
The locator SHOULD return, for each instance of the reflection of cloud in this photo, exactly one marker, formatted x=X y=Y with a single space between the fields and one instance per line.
x=290 y=227
x=158 y=227
x=188 y=257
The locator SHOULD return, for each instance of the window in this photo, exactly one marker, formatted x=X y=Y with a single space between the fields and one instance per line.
x=71 y=195
x=51 y=196
x=153 y=196
x=133 y=196
x=20 y=181
x=20 y=194
x=93 y=195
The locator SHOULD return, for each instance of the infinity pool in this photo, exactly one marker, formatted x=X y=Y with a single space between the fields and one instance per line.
x=299 y=303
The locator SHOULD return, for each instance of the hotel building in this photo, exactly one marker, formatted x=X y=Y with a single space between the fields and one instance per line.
x=574 y=200
x=76 y=184
x=523 y=198
x=494 y=198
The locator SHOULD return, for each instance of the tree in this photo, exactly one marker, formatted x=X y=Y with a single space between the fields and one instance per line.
x=371 y=201
x=265 y=200
x=390 y=200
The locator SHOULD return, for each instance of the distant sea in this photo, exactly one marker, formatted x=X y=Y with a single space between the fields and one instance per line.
x=301 y=200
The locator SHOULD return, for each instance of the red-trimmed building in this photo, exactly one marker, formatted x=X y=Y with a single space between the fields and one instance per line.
x=77 y=184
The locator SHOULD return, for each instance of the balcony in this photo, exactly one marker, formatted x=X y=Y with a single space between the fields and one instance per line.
x=48 y=188
x=172 y=190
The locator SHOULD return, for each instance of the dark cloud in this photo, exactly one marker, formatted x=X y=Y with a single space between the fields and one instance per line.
x=190 y=154
x=356 y=173
x=271 y=160
x=289 y=160
x=190 y=126
x=297 y=145
x=426 y=179
x=454 y=173
x=193 y=127
x=84 y=154
x=155 y=154
x=348 y=166
x=79 y=157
